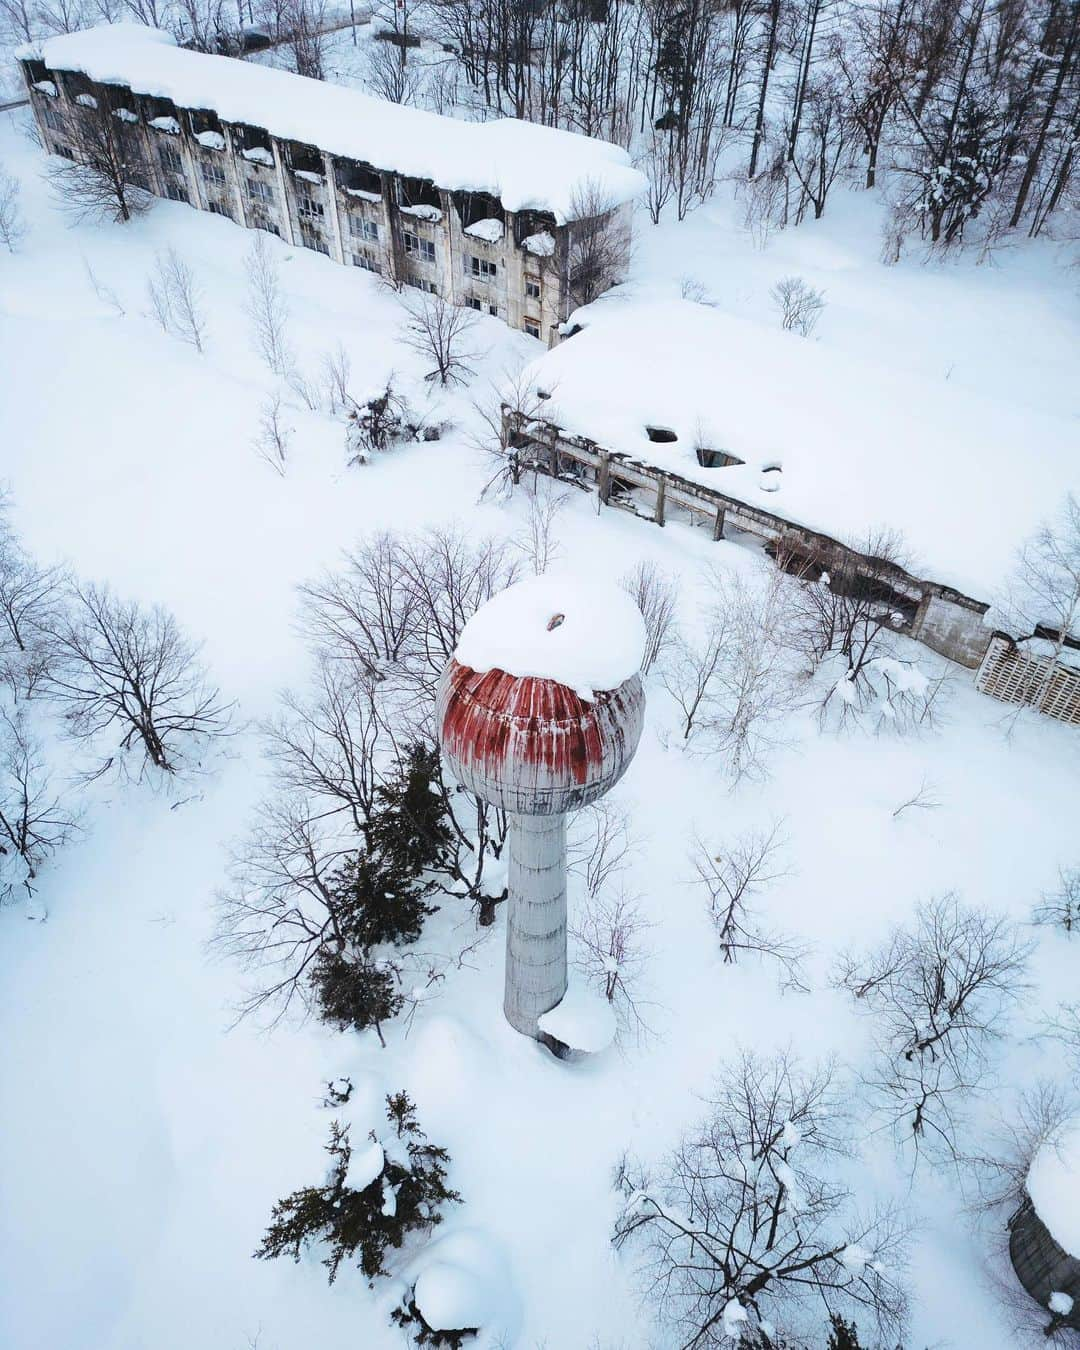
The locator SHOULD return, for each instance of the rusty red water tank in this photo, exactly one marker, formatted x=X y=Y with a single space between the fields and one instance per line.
x=542 y=708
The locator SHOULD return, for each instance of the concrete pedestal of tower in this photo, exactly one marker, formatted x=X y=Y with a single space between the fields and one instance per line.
x=536 y=975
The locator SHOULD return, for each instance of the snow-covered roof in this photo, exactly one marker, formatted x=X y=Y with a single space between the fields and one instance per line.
x=587 y=635
x=860 y=446
x=1053 y=1182
x=525 y=165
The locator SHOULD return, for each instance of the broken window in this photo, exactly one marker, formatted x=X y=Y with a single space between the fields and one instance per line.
x=161 y=114
x=365 y=259
x=473 y=207
x=357 y=178
x=415 y=247
x=532 y=290
x=472 y=302
x=360 y=228
x=219 y=209
x=175 y=192
x=206 y=128
x=170 y=159
x=51 y=117
x=420 y=192
x=530 y=223
x=312 y=239
x=305 y=161
x=481 y=269
x=309 y=207
x=212 y=175
x=254 y=144
x=423 y=284
x=532 y=328
x=260 y=192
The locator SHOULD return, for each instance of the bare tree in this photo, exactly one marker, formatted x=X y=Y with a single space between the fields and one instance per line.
x=31 y=605
x=1060 y=908
x=937 y=992
x=176 y=299
x=599 y=845
x=599 y=250
x=336 y=371
x=12 y=223
x=34 y=820
x=690 y=674
x=388 y=75
x=439 y=331
x=610 y=953
x=733 y=877
x=537 y=541
x=655 y=593
x=131 y=670
x=107 y=177
x=746 y=1225
x=503 y=417
x=267 y=309
x=274 y=435
x=799 y=304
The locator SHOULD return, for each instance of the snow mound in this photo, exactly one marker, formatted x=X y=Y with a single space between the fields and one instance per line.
x=365 y=1164
x=462 y=1282
x=490 y=230
x=1053 y=1182
x=583 y=1021
x=587 y=635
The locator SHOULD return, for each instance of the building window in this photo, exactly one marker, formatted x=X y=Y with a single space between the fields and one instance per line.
x=308 y=207
x=472 y=302
x=212 y=175
x=62 y=150
x=423 y=284
x=360 y=228
x=532 y=328
x=50 y=117
x=415 y=247
x=259 y=191
x=481 y=269
x=175 y=192
x=367 y=261
x=493 y=310
x=313 y=240
x=170 y=159
x=532 y=290
x=219 y=209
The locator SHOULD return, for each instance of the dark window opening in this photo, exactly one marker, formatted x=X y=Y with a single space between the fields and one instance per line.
x=533 y=329
x=528 y=223
x=476 y=206
x=37 y=72
x=716 y=459
x=481 y=269
x=472 y=302
x=532 y=290
x=253 y=143
x=79 y=85
x=661 y=435
x=420 y=192
x=205 y=120
x=122 y=101
x=175 y=192
x=160 y=109
x=493 y=310
x=170 y=159
x=304 y=160
x=353 y=176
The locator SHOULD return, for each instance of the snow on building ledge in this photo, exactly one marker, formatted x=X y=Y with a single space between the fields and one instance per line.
x=529 y=167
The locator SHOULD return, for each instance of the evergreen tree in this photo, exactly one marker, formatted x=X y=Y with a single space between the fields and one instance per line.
x=365 y=1222
x=377 y=901
x=409 y=826
x=843 y=1336
x=355 y=995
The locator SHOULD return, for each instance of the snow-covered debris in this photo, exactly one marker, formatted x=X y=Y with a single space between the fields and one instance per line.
x=258 y=154
x=583 y=1021
x=125 y=115
x=422 y=212
x=587 y=635
x=46 y=87
x=490 y=230
x=210 y=140
x=863 y=444
x=167 y=124
x=308 y=177
x=86 y=100
x=1060 y=1303
x=366 y=1162
x=524 y=164
x=541 y=245
x=1053 y=1183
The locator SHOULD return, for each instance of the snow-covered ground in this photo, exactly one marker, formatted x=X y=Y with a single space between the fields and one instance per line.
x=143 y=1137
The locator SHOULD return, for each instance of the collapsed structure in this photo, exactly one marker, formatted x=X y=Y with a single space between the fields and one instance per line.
x=521 y=221
x=676 y=410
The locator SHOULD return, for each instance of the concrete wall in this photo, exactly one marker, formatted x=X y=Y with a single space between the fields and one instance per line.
x=955 y=630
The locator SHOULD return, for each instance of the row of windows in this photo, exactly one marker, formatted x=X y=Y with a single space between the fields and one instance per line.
x=415 y=247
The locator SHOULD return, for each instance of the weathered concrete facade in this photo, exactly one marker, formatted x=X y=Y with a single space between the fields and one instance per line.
x=521 y=266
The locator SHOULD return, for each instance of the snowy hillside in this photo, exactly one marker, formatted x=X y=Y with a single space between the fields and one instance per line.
x=147 y=1130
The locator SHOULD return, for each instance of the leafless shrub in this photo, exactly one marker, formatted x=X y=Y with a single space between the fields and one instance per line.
x=599 y=249
x=537 y=541
x=799 y=304
x=610 y=953
x=375 y=425
x=922 y=799
x=267 y=309
x=937 y=992
x=1064 y=1026
x=1060 y=908
x=31 y=607
x=124 y=668
x=733 y=877
x=439 y=331
x=746 y=1224
x=765 y=203
x=306 y=391
x=391 y=76
x=176 y=300
x=599 y=845
x=336 y=370
x=503 y=416
x=108 y=177
x=655 y=593
x=12 y=222
x=104 y=293
x=34 y=820
x=274 y=435
x=735 y=685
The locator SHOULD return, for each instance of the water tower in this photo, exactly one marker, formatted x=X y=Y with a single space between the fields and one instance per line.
x=539 y=712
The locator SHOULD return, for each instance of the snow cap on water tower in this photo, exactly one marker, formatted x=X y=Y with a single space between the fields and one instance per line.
x=541 y=709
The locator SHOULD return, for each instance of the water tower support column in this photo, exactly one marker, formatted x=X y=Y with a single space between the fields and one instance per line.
x=536 y=920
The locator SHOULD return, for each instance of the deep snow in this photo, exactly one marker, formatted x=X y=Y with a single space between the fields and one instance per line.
x=144 y=1138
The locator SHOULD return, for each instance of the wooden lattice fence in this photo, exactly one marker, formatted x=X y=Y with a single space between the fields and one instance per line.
x=1010 y=674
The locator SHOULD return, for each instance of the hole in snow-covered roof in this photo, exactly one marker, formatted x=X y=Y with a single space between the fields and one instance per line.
x=716 y=459
x=661 y=435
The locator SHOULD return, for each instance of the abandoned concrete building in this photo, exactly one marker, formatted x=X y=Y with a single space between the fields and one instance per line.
x=516 y=220
x=679 y=411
